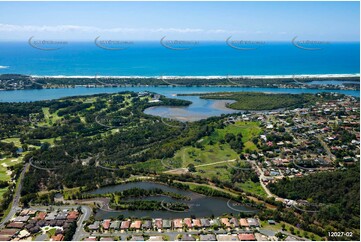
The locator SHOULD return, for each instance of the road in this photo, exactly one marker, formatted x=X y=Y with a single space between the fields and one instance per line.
x=16 y=199
x=265 y=188
x=80 y=233
x=327 y=149
x=172 y=234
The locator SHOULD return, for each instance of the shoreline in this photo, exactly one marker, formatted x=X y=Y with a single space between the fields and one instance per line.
x=322 y=76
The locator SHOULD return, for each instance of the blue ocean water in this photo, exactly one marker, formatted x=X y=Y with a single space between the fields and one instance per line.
x=203 y=59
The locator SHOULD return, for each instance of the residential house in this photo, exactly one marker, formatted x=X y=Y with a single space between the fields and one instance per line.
x=246 y=237
x=115 y=225
x=167 y=224
x=188 y=222
x=125 y=225
x=137 y=224
x=106 y=224
x=177 y=223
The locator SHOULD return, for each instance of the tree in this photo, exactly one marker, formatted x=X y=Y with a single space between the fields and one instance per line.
x=191 y=168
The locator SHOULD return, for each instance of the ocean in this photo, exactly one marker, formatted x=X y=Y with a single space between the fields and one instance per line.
x=201 y=59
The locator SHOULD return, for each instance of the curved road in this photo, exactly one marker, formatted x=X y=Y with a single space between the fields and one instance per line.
x=16 y=199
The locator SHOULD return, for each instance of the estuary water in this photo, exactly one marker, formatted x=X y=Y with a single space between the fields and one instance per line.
x=199 y=109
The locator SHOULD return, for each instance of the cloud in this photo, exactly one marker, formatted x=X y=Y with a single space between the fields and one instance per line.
x=92 y=29
x=4 y=67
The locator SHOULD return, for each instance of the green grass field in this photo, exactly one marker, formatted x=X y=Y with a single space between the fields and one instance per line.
x=253 y=188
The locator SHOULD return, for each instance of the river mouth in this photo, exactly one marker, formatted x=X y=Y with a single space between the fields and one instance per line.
x=199 y=205
x=198 y=110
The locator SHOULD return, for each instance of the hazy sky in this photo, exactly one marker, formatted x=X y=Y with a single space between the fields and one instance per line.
x=271 y=21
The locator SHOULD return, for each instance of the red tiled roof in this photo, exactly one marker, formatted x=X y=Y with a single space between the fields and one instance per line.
x=243 y=222
x=136 y=224
x=73 y=215
x=106 y=223
x=58 y=237
x=246 y=237
x=17 y=225
x=188 y=222
x=125 y=225
x=40 y=216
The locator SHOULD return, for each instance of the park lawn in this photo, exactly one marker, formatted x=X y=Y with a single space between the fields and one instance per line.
x=6 y=163
x=68 y=192
x=16 y=141
x=208 y=154
x=278 y=227
x=253 y=188
x=193 y=186
x=220 y=171
x=50 y=141
x=3 y=175
x=249 y=130
x=2 y=191
x=51 y=232
x=49 y=119
x=150 y=165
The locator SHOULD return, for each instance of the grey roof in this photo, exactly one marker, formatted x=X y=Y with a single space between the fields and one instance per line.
x=252 y=222
x=115 y=224
x=62 y=215
x=234 y=221
x=167 y=223
x=95 y=225
x=21 y=219
x=147 y=224
x=205 y=222
x=51 y=216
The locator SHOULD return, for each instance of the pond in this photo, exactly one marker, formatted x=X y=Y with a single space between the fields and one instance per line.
x=200 y=205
